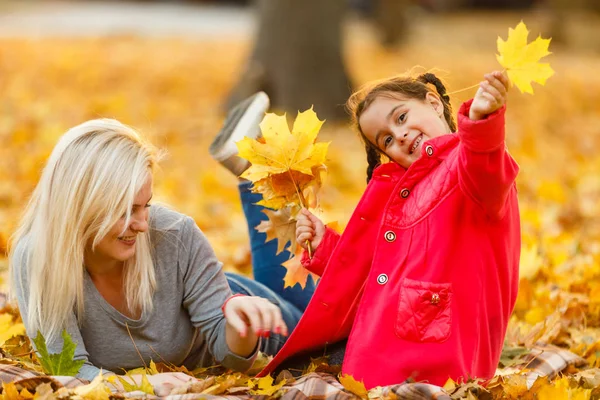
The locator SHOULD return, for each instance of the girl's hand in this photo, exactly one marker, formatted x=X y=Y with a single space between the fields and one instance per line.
x=259 y=314
x=309 y=227
x=490 y=96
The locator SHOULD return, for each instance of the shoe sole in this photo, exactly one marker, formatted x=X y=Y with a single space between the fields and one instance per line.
x=243 y=122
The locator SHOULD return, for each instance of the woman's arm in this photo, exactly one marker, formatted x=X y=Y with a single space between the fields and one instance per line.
x=206 y=293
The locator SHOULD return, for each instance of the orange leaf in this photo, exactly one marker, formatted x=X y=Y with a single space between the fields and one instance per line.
x=296 y=273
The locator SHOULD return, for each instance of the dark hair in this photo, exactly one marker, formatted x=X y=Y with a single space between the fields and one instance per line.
x=404 y=85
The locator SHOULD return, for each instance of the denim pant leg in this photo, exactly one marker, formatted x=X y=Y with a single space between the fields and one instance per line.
x=291 y=315
x=266 y=263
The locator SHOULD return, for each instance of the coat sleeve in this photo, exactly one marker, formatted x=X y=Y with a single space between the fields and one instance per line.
x=487 y=172
x=322 y=254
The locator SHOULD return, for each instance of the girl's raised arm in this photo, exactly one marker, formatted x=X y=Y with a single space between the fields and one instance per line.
x=487 y=172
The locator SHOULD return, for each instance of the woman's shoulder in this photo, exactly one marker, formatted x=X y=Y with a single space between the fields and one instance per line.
x=163 y=218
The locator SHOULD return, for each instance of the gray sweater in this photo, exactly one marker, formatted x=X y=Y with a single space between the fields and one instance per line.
x=186 y=327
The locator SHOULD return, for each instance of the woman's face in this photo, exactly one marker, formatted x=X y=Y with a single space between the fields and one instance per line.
x=399 y=127
x=119 y=244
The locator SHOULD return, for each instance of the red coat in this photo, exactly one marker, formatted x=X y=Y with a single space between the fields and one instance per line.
x=425 y=276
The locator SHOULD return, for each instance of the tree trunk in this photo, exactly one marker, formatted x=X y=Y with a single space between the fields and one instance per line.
x=297 y=58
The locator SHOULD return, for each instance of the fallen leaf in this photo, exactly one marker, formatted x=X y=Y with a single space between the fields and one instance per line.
x=350 y=384
x=264 y=386
x=58 y=364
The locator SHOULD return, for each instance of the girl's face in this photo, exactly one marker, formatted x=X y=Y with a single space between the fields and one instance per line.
x=119 y=244
x=399 y=126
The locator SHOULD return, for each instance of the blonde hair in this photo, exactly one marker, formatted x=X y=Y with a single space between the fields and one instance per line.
x=88 y=184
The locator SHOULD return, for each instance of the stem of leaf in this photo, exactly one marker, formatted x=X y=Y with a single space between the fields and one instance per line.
x=463 y=90
x=303 y=204
x=470 y=87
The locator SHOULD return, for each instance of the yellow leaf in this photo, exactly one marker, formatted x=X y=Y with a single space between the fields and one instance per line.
x=535 y=315
x=8 y=328
x=449 y=386
x=521 y=60
x=296 y=273
x=280 y=226
x=145 y=386
x=264 y=386
x=10 y=392
x=152 y=370
x=95 y=390
x=358 y=388
x=26 y=394
x=561 y=390
x=530 y=262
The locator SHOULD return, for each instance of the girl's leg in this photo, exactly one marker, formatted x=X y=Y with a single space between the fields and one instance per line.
x=291 y=315
x=266 y=263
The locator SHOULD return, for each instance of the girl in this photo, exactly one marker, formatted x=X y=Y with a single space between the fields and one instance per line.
x=424 y=278
x=130 y=282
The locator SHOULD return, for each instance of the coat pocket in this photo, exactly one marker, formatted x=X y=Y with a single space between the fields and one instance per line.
x=424 y=311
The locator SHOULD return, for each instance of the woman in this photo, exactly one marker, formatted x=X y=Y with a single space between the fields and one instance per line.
x=130 y=282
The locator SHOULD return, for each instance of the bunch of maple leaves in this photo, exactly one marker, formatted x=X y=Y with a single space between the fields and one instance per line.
x=551 y=137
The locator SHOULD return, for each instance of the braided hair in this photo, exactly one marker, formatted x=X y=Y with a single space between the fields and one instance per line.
x=404 y=85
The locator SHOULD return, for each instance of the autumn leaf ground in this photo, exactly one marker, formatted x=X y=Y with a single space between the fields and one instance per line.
x=173 y=88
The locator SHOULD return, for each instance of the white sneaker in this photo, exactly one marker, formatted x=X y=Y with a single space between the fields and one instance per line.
x=242 y=121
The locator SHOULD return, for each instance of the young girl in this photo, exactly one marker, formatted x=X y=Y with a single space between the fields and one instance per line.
x=131 y=283
x=424 y=278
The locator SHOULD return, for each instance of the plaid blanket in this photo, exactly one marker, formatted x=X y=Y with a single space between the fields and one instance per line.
x=543 y=360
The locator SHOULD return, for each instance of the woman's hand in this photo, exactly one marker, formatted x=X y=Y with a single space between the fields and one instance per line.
x=259 y=314
x=309 y=228
x=490 y=96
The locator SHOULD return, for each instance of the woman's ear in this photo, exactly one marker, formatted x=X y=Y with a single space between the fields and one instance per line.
x=435 y=101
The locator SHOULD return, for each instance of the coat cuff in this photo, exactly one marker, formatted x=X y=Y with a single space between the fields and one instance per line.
x=483 y=136
x=321 y=255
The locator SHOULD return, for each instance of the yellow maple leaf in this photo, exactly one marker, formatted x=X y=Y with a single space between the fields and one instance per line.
x=280 y=151
x=296 y=273
x=264 y=386
x=521 y=60
x=350 y=384
x=280 y=226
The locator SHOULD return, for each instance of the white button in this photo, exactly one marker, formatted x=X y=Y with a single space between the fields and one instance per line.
x=429 y=150
x=390 y=236
x=382 y=279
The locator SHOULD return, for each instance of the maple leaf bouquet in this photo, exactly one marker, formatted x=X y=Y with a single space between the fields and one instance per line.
x=287 y=168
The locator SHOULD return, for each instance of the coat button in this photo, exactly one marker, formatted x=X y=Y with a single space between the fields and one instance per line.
x=404 y=193
x=429 y=150
x=390 y=236
x=435 y=298
x=382 y=279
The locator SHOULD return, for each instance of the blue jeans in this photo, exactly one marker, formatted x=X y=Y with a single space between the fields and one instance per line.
x=268 y=273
